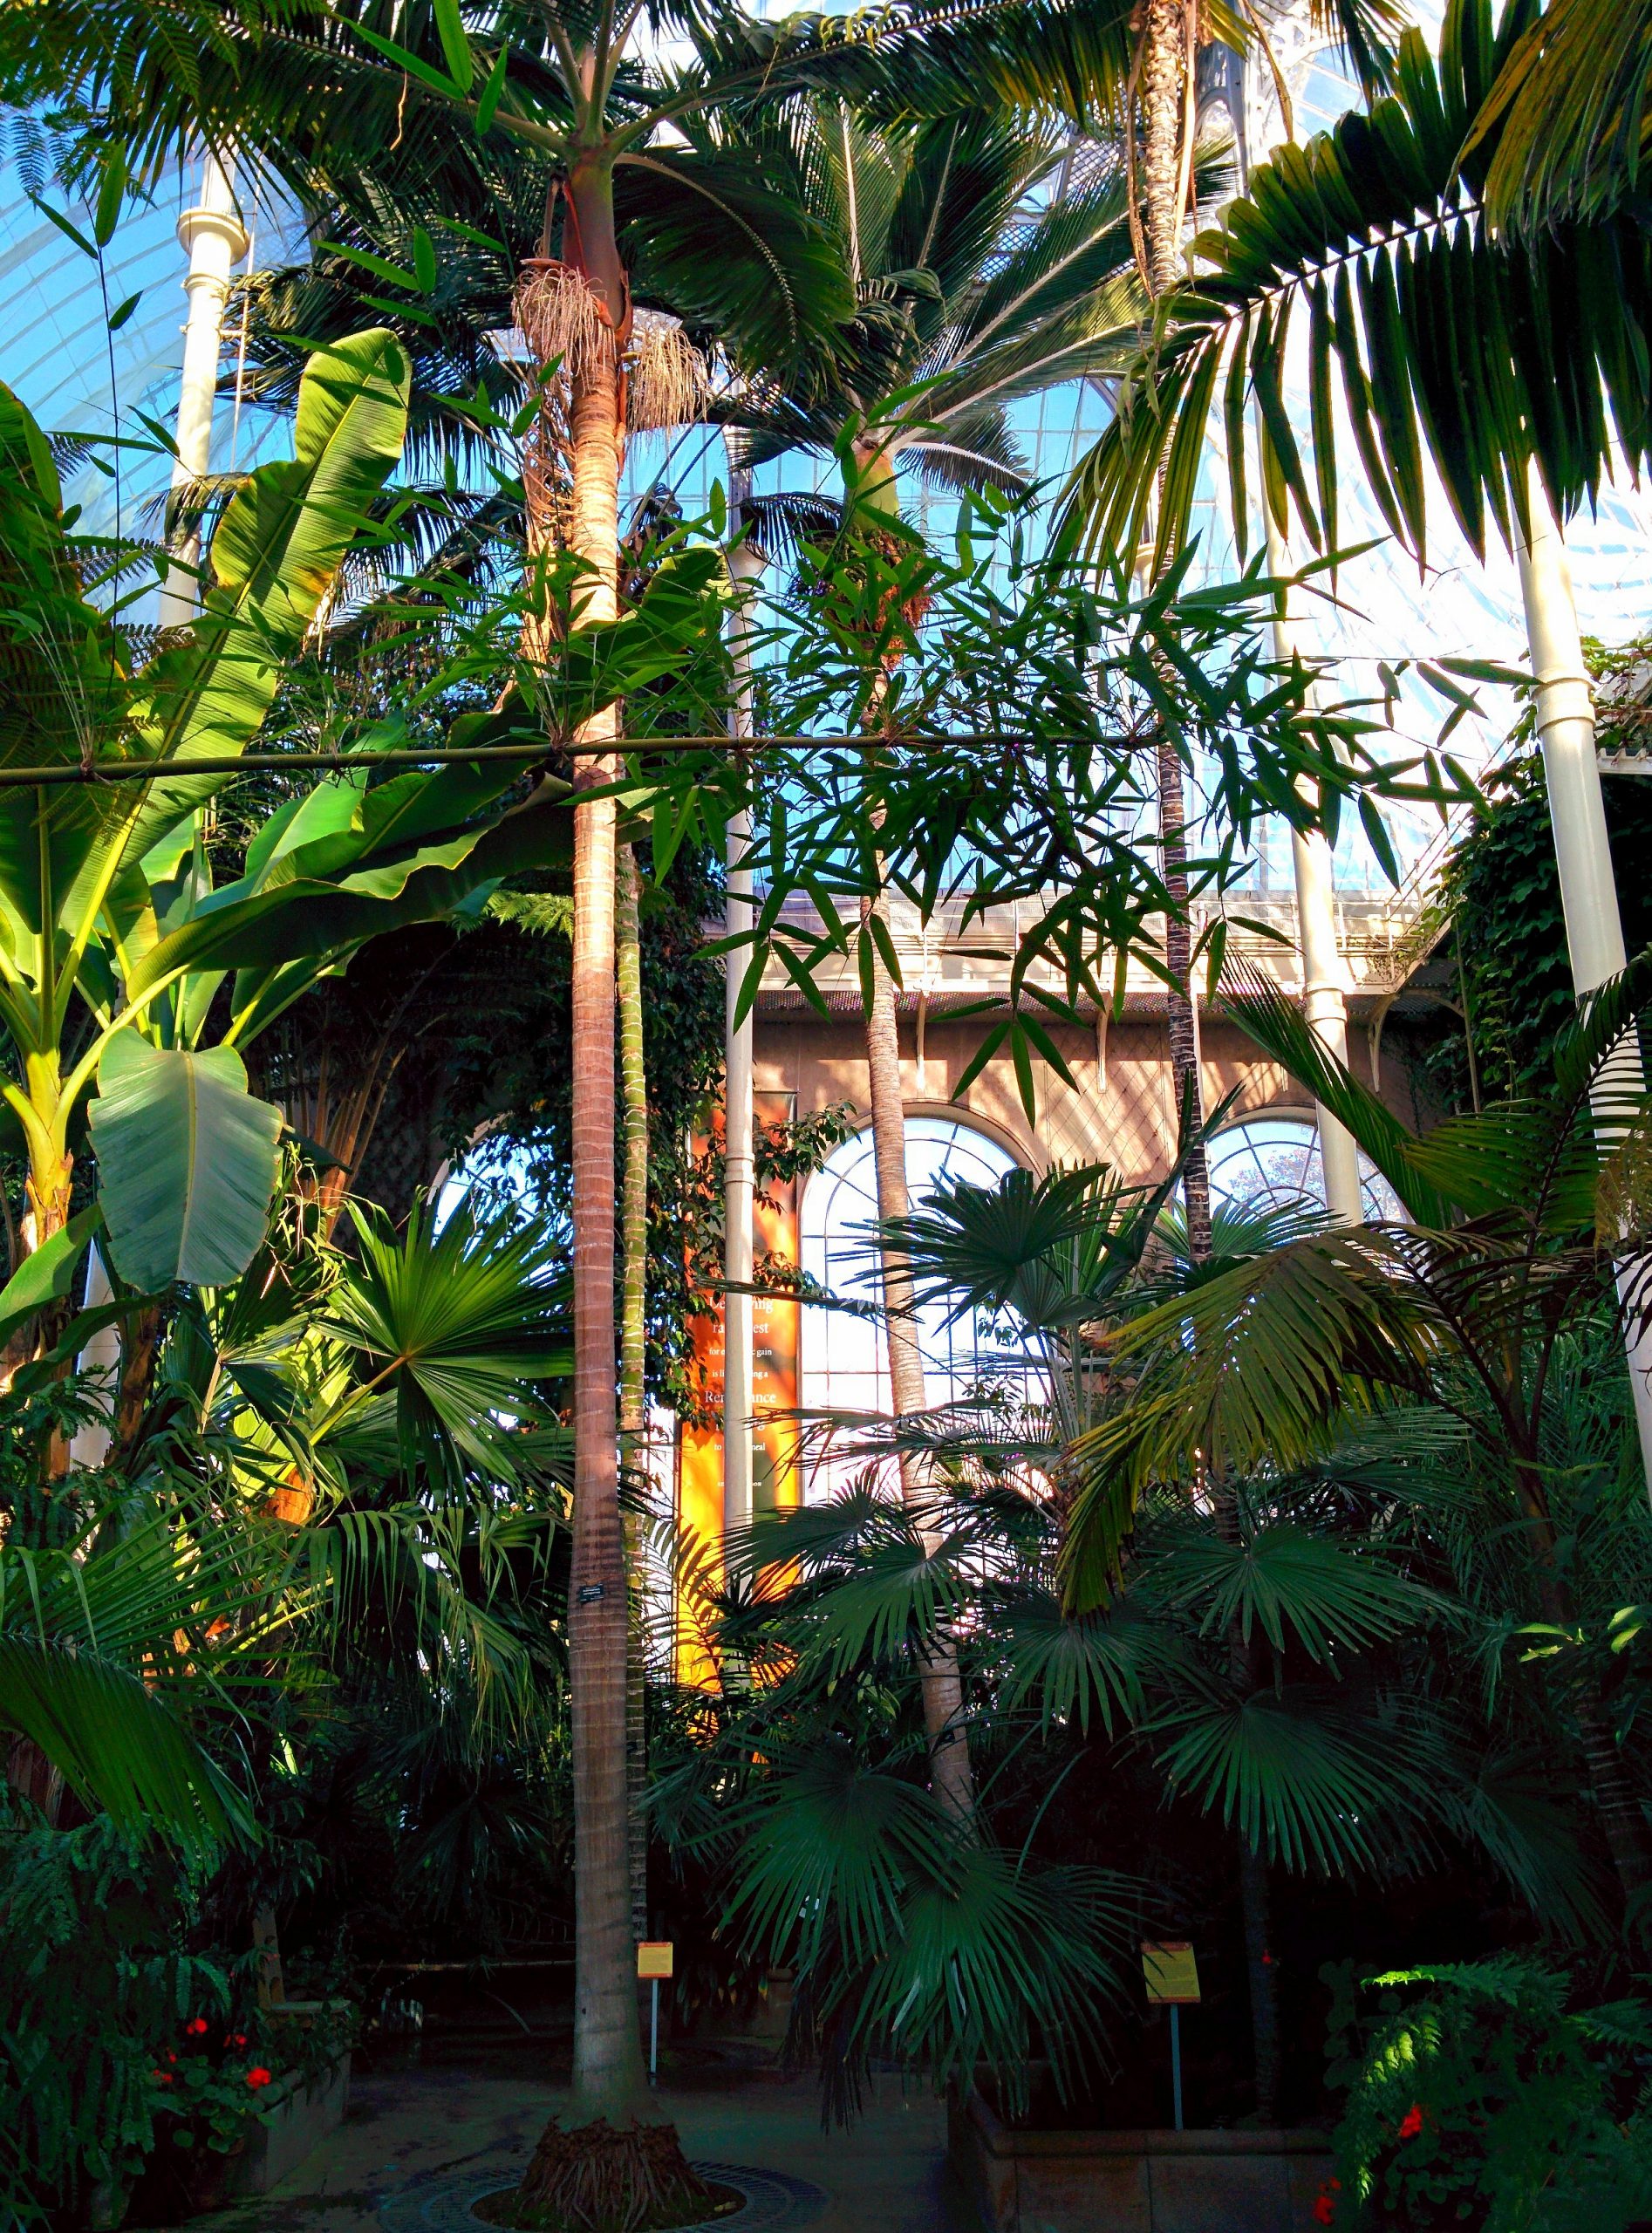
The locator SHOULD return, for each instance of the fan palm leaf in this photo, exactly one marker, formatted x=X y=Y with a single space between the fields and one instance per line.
x=1308 y=1780
x=1294 y=1587
x=458 y=1325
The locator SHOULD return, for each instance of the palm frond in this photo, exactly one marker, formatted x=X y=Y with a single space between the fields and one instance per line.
x=117 y=1744
x=1450 y=339
x=1298 y=1587
x=1303 y=1779
x=1567 y=113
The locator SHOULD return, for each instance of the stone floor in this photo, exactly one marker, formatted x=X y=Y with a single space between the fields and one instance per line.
x=419 y=2144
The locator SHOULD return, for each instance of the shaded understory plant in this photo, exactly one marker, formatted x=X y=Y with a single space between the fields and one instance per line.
x=1491 y=2094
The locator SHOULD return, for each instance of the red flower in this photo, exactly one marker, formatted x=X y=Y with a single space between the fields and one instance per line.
x=1411 y=2123
x=162 y=2076
x=172 y=2058
x=196 y=2027
x=238 y=2039
x=257 y=2076
x=1325 y=2210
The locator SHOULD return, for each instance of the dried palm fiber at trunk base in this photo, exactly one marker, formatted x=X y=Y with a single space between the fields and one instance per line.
x=598 y=2178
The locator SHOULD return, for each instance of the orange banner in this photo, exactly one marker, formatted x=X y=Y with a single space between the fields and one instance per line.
x=776 y=1475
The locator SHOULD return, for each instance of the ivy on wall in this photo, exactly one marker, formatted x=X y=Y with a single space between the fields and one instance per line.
x=1502 y=891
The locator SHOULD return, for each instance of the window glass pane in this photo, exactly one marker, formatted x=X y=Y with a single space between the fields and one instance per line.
x=1270 y=1162
x=844 y=1368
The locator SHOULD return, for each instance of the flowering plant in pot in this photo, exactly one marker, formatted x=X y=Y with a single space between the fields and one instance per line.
x=209 y=2088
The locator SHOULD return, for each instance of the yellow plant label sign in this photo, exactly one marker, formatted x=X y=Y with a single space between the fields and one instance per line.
x=653 y=1957
x=1171 y=1971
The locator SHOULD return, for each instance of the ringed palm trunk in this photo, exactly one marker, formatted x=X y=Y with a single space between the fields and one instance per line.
x=632 y=1336
x=950 y=1777
x=616 y=2162
x=1166 y=79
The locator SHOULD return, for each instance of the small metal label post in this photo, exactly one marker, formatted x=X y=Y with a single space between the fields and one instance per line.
x=1171 y=1976
x=653 y=1962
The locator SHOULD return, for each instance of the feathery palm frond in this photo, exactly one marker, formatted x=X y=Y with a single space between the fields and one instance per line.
x=103 y=1644
x=1568 y=114
x=1484 y=352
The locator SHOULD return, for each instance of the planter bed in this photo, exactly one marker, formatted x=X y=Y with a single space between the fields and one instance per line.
x=296 y=2125
x=1141 y=2181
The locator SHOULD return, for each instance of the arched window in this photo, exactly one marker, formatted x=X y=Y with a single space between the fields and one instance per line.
x=844 y=1367
x=1270 y=1162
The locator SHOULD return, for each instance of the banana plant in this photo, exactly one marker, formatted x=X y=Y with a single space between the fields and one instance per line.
x=119 y=963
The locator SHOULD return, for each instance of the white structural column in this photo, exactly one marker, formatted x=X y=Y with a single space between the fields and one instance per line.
x=214 y=240
x=1564 y=717
x=1325 y=982
x=745 y=565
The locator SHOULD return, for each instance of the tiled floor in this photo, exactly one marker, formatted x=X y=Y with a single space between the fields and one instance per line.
x=420 y=2145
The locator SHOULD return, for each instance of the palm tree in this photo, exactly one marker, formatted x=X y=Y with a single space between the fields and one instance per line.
x=1508 y=355
x=964 y=304
x=1491 y=354
x=566 y=86
x=1518 y=1215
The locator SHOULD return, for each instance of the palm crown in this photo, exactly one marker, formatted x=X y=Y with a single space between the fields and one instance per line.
x=966 y=298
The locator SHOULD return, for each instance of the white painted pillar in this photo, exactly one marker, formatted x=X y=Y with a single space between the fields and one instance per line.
x=1324 y=979
x=745 y=565
x=1565 y=720
x=214 y=240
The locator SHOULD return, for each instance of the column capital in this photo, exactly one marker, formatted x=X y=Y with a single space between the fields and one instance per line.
x=213 y=224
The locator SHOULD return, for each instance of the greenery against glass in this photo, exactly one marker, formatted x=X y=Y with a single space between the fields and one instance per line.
x=1500 y=894
x=1487 y=350
x=991 y=722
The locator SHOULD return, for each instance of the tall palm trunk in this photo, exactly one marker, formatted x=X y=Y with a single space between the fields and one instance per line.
x=632 y=1331
x=1166 y=82
x=950 y=1777
x=1167 y=85
x=614 y=2163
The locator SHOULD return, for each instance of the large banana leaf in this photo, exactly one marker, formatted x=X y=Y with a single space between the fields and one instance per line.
x=48 y=1274
x=350 y=861
x=64 y=694
x=275 y=554
x=185 y=1162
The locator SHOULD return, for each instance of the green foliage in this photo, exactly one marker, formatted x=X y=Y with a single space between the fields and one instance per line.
x=1479 y=2093
x=1567 y=112
x=963 y=302
x=104 y=1645
x=1480 y=349
x=96 y=1987
x=1501 y=891
x=185 y=1162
